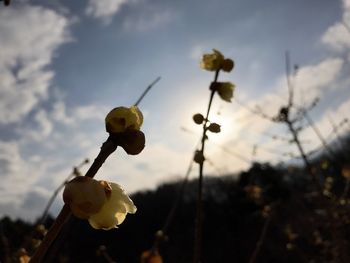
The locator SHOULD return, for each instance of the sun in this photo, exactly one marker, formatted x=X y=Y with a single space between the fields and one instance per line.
x=228 y=127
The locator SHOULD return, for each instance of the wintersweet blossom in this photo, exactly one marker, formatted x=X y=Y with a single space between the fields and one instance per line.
x=213 y=61
x=114 y=211
x=121 y=119
x=346 y=171
x=85 y=196
x=151 y=256
x=104 y=204
x=224 y=89
x=216 y=61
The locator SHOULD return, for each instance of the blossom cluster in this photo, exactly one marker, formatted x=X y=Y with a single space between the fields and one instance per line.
x=105 y=204
x=216 y=62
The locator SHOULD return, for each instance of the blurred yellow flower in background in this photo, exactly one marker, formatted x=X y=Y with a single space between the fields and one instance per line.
x=151 y=256
x=346 y=171
x=121 y=119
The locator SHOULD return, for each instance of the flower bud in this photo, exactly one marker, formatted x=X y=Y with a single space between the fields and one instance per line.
x=198 y=118
x=227 y=65
x=122 y=118
x=132 y=141
x=199 y=157
x=214 y=127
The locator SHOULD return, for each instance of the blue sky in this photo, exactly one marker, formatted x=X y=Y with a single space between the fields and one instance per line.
x=65 y=64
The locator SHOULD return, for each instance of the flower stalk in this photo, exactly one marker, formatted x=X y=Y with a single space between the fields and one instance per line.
x=199 y=211
x=212 y=62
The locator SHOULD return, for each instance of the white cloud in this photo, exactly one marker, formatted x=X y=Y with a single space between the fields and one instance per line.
x=317 y=80
x=148 y=21
x=157 y=163
x=196 y=52
x=77 y=114
x=104 y=10
x=43 y=127
x=337 y=36
x=18 y=174
x=29 y=37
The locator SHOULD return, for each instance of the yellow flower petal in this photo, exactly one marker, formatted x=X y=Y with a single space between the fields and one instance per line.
x=122 y=118
x=212 y=62
x=225 y=90
x=85 y=196
x=114 y=210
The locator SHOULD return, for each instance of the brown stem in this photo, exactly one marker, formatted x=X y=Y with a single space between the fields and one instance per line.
x=302 y=153
x=198 y=222
x=261 y=240
x=65 y=216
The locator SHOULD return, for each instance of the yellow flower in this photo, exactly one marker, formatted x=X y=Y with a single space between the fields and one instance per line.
x=114 y=210
x=84 y=196
x=216 y=61
x=104 y=204
x=224 y=89
x=212 y=62
x=346 y=171
x=122 y=118
x=151 y=256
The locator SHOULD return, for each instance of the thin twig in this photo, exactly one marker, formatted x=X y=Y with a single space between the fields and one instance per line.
x=178 y=198
x=260 y=240
x=58 y=189
x=289 y=83
x=146 y=91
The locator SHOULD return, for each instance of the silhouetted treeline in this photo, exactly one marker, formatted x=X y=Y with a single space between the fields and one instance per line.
x=301 y=225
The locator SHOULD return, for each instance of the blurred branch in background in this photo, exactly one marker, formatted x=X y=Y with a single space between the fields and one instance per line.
x=74 y=173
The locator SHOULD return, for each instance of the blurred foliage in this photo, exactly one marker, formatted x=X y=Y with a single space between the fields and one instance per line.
x=304 y=226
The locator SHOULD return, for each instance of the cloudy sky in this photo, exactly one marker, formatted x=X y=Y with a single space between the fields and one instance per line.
x=64 y=64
